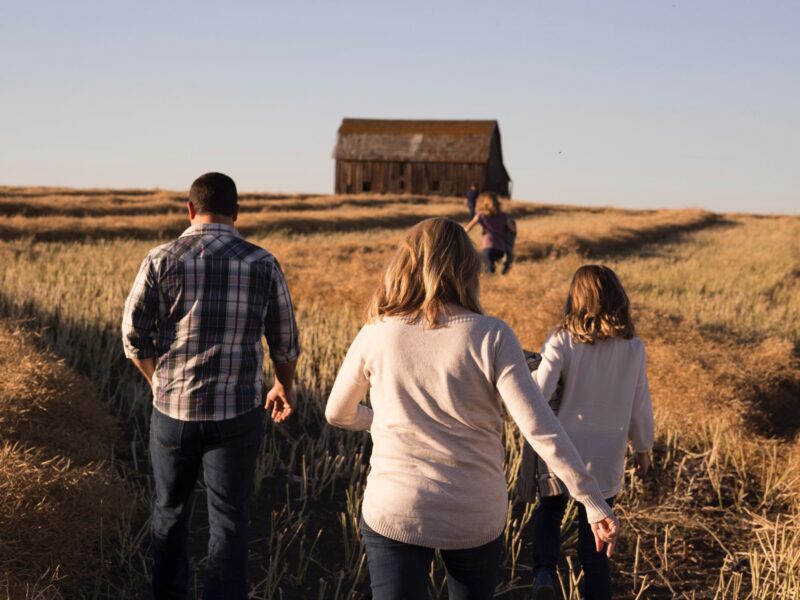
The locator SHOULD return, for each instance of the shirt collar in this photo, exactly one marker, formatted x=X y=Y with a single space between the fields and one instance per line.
x=211 y=228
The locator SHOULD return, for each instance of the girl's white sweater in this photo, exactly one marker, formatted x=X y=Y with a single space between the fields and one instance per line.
x=605 y=401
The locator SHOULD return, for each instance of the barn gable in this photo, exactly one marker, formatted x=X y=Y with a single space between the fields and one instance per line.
x=420 y=141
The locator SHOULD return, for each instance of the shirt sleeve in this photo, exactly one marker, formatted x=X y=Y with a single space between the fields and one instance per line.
x=345 y=408
x=641 y=430
x=280 y=327
x=553 y=359
x=140 y=313
x=540 y=427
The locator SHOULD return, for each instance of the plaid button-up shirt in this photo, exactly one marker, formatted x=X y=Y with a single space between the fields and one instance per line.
x=200 y=306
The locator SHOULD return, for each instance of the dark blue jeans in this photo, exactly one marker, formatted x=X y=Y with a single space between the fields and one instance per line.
x=399 y=571
x=546 y=532
x=227 y=451
x=490 y=257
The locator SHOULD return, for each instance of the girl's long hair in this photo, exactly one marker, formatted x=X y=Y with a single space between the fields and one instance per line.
x=489 y=203
x=437 y=264
x=597 y=306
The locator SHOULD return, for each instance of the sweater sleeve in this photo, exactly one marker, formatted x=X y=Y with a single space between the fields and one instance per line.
x=344 y=408
x=540 y=427
x=641 y=430
x=550 y=368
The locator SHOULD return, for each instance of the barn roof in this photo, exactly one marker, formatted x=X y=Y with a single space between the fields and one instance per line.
x=415 y=141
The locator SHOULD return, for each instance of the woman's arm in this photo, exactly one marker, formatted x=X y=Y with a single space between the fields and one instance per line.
x=553 y=359
x=540 y=427
x=542 y=430
x=344 y=408
x=511 y=224
x=472 y=223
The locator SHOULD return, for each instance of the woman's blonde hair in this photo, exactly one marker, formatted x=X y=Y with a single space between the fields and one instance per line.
x=489 y=203
x=436 y=265
x=597 y=306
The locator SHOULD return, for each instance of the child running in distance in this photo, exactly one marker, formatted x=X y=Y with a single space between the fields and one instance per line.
x=605 y=402
x=496 y=226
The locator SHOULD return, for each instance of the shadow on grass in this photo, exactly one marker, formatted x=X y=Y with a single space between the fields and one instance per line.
x=620 y=240
x=776 y=409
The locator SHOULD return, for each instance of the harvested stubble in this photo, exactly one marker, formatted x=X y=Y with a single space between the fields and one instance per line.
x=717 y=305
x=61 y=502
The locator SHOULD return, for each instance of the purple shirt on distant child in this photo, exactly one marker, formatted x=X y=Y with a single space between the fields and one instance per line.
x=494 y=230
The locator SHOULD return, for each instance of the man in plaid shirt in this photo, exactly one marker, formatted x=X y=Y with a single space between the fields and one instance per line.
x=192 y=325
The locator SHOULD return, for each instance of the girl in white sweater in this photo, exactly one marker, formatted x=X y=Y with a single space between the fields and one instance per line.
x=605 y=403
x=438 y=371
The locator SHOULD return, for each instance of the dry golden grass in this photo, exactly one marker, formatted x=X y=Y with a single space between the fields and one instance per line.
x=103 y=214
x=67 y=228
x=99 y=203
x=717 y=301
x=60 y=500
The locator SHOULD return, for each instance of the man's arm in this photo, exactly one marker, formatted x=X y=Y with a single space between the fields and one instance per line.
x=138 y=320
x=280 y=329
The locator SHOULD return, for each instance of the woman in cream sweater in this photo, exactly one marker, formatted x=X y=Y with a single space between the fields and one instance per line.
x=438 y=372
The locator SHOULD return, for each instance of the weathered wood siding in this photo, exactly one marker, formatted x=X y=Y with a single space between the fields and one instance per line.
x=387 y=177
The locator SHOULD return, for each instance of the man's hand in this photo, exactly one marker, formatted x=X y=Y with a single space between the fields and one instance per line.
x=642 y=460
x=279 y=400
x=605 y=533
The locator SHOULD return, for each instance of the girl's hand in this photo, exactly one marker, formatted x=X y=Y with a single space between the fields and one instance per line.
x=642 y=460
x=605 y=533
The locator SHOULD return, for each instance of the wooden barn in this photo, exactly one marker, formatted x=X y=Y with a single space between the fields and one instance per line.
x=419 y=157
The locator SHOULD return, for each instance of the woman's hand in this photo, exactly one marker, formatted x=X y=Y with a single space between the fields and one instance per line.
x=605 y=533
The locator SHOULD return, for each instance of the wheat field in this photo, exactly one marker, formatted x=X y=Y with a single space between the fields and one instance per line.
x=716 y=300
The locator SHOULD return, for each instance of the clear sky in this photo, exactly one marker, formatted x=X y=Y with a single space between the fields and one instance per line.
x=636 y=103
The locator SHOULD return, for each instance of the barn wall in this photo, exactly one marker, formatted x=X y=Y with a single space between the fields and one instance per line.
x=496 y=174
x=385 y=177
x=496 y=177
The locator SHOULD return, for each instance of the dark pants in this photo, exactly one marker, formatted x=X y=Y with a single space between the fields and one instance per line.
x=546 y=531
x=508 y=262
x=227 y=451
x=490 y=257
x=399 y=571
x=472 y=200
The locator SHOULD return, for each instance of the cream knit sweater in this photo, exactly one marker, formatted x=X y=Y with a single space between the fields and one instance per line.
x=436 y=476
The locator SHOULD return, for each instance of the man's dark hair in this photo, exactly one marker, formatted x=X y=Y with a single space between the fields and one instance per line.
x=214 y=193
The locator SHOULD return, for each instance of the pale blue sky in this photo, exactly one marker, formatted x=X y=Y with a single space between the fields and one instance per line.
x=650 y=103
